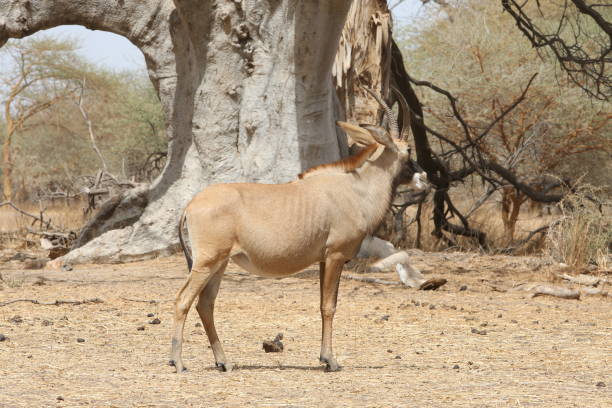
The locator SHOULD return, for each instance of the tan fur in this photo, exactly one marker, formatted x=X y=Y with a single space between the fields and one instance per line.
x=279 y=229
x=346 y=165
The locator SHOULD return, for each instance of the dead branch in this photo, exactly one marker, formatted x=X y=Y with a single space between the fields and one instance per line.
x=370 y=280
x=595 y=292
x=36 y=218
x=582 y=53
x=56 y=303
x=519 y=244
x=47 y=234
x=437 y=170
x=557 y=291
x=152 y=301
x=92 y=136
x=586 y=280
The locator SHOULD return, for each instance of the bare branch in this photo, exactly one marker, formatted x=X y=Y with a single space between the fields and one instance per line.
x=27 y=214
x=585 y=66
x=92 y=136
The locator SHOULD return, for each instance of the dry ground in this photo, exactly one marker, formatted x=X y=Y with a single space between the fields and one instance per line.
x=398 y=347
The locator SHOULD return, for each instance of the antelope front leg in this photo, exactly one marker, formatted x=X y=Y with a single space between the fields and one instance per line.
x=329 y=274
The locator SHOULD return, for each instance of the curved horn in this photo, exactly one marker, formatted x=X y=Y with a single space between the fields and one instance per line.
x=406 y=116
x=393 y=129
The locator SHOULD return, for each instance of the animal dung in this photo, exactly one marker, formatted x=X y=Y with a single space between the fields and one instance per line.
x=274 y=346
x=433 y=284
x=155 y=321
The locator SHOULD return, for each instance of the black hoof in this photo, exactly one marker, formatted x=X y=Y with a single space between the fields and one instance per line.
x=330 y=369
x=224 y=367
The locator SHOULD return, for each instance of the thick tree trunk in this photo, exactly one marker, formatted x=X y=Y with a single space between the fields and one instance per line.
x=245 y=85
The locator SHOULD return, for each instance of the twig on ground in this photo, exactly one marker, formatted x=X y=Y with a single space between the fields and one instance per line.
x=152 y=301
x=56 y=303
x=370 y=280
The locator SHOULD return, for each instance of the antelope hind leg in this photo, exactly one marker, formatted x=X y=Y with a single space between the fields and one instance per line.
x=206 y=308
x=197 y=280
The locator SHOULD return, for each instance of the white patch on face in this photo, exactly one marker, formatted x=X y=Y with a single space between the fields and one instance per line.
x=419 y=181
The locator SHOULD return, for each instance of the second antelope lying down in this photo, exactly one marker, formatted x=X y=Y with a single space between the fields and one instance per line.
x=276 y=230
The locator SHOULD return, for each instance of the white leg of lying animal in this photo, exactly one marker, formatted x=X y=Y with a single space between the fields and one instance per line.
x=392 y=257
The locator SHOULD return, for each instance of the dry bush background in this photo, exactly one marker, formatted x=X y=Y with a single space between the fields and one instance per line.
x=583 y=234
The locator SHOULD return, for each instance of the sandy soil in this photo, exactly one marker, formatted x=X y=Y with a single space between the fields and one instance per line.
x=398 y=347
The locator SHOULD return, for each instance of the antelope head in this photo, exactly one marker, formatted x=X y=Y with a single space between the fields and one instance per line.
x=406 y=171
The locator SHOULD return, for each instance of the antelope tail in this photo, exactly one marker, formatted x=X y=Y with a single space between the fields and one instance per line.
x=185 y=250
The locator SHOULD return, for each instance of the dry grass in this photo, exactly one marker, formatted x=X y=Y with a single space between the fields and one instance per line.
x=583 y=234
x=14 y=236
x=487 y=219
x=61 y=215
x=536 y=352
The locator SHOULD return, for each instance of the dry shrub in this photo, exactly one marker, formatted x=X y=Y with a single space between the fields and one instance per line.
x=14 y=234
x=62 y=216
x=487 y=219
x=583 y=234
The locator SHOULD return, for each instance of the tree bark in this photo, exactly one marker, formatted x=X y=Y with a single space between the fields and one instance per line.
x=245 y=86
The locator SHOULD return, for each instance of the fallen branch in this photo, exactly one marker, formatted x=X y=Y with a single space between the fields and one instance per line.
x=556 y=291
x=594 y=292
x=152 y=301
x=370 y=280
x=56 y=303
x=542 y=230
x=585 y=280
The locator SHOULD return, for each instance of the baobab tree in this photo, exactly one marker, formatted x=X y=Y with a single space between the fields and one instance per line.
x=246 y=90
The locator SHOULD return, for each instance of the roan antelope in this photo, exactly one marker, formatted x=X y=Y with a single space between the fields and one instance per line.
x=276 y=230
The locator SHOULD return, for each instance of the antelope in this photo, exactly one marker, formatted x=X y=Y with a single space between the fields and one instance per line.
x=275 y=230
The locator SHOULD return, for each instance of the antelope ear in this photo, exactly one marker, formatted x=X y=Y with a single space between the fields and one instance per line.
x=381 y=136
x=357 y=134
